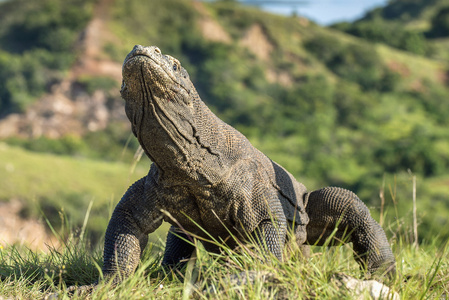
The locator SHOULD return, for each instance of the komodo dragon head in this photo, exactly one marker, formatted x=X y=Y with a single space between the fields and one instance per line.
x=159 y=95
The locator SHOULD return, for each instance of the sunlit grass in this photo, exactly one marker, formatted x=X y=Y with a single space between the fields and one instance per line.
x=237 y=274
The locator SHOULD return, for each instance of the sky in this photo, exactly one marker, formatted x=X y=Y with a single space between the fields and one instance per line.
x=326 y=12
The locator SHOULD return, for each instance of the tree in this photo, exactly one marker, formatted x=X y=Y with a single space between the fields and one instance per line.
x=440 y=23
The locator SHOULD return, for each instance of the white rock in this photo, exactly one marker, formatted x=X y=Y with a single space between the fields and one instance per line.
x=363 y=288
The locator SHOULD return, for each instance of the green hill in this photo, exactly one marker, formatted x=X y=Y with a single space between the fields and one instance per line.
x=417 y=14
x=418 y=26
x=333 y=108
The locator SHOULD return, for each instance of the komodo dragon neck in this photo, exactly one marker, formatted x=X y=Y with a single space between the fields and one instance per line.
x=177 y=131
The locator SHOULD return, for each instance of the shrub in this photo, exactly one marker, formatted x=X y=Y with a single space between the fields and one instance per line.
x=39 y=38
x=440 y=24
x=387 y=32
x=355 y=62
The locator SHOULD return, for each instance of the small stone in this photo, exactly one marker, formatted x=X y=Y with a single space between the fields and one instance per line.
x=360 y=288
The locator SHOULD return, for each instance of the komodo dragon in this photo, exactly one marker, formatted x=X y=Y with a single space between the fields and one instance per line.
x=205 y=174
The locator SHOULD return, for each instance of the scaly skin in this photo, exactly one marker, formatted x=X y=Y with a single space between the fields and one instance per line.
x=205 y=173
x=331 y=208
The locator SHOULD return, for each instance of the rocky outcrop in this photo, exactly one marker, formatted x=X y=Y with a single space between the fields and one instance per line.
x=69 y=108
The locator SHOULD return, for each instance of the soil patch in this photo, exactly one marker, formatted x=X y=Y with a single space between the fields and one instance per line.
x=15 y=230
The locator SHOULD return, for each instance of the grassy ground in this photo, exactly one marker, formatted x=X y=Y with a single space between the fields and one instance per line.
x=28 y=275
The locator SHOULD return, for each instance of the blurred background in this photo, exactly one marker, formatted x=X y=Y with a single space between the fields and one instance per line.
x=343 y=93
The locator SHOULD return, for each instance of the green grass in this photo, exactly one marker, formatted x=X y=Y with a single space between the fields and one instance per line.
x=440 y=47
x=28 y=275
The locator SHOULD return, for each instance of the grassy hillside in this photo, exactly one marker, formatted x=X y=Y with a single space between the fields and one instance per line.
x=50 y=184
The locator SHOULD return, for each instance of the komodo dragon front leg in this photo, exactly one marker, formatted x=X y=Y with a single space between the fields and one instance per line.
x=330 y=208
x=134 y=217
x=127 y=234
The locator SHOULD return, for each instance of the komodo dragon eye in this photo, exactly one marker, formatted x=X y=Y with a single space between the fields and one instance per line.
x=175 y=67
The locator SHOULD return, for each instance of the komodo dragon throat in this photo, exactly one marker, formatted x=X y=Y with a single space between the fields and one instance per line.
x=207 y=174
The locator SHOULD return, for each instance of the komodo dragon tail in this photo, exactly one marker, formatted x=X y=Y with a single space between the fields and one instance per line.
x=332 y=207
